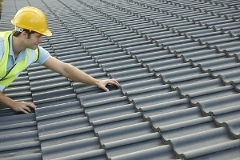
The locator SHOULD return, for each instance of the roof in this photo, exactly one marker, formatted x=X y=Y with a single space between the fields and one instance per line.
x=178 y=66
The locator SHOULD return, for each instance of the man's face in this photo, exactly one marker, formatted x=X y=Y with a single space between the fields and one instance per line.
x=33 y=40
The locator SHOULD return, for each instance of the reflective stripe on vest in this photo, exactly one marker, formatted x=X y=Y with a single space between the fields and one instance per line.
x=6 y=78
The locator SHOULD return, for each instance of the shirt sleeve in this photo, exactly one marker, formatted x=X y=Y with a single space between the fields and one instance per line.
x=1 y=48
x=43 y=55
x=2 y=88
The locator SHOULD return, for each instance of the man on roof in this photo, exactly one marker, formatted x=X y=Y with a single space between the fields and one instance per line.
x=20 y=48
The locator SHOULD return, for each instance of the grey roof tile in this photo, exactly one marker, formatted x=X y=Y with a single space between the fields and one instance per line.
x=137 y=93
x=91 y=38
x=133 y=42
x=55 y=125
x=120 y=133
x=70 y=148
x=109 y=47
x=122 y=37
x=203 y=143
x=67 y=109
x=103 y=100
x=229 y=74
x=234 y=51
x=142 y=56
x=51 y=100
x=152 y=30
x=161 y=35
x=227 y=46
x=169 y=40
x=82 y=89
x=231 y=153
x=186 y=127
x=98 y=154
x=212 y=149
x=200 y=55
x=40 y=85
x=166 y=119
x=53 y=93
x=154 y=99
x=101 y=114
x=142 y=47
x=179 y=72
x=43 y=74
x=132 y=145
x=218 y=42
x=154 y=153
x=118 y=121
x=10 y=140
x=210 y=93
x=106 y=59
x=186 y=44
x=134 y=71
x=226 y=111
x=8 y=128
x=149 y=53
x=232 y=124
x=59 y=138
x=208 y=61
x=158 y=64
x=197 y=86
x=188 y=79
x=106 y=51
x=19 y=135
x=164 y=107
x=21 y=156
x=145 y=83
x=222 y=69
x=133 y=78
x=201 y=35
x=161 y=70
x=119 y=63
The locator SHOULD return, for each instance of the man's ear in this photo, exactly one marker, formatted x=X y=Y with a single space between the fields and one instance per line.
x=24 y=33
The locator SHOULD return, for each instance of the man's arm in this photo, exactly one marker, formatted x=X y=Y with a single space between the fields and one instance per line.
x=75 y=74
x=64 y=69
x=24 y=107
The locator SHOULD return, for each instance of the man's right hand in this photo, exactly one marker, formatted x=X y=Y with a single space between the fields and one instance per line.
x=25 y=107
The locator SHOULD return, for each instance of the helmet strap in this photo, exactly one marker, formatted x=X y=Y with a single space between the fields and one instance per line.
x=18 y=29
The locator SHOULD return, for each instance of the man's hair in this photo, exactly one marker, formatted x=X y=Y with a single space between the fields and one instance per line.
x=16 y=33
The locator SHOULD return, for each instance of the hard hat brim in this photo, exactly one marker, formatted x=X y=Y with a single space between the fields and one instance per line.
x=47 y=33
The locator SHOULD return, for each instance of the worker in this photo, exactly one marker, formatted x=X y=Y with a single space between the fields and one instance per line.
x=20 y=48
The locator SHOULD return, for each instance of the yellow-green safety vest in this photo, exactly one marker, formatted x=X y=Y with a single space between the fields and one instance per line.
x=7 y=77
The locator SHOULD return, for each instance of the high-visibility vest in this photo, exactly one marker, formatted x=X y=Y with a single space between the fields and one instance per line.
x=7 y=77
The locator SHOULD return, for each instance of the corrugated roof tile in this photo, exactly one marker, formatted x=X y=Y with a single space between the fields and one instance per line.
x=204 y=142
x=70 y=148
x=186 y=127
x=154 y=153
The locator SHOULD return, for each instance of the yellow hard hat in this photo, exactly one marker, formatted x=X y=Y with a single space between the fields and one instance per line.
x=32 y=19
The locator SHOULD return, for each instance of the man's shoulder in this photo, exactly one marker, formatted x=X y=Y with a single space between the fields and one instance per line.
x=43 y=55
x=1 y=40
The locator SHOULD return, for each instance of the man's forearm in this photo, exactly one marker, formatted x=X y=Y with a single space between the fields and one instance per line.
x=22 y=106
x=73 y=73
x=6 y=101
x=78 y=75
